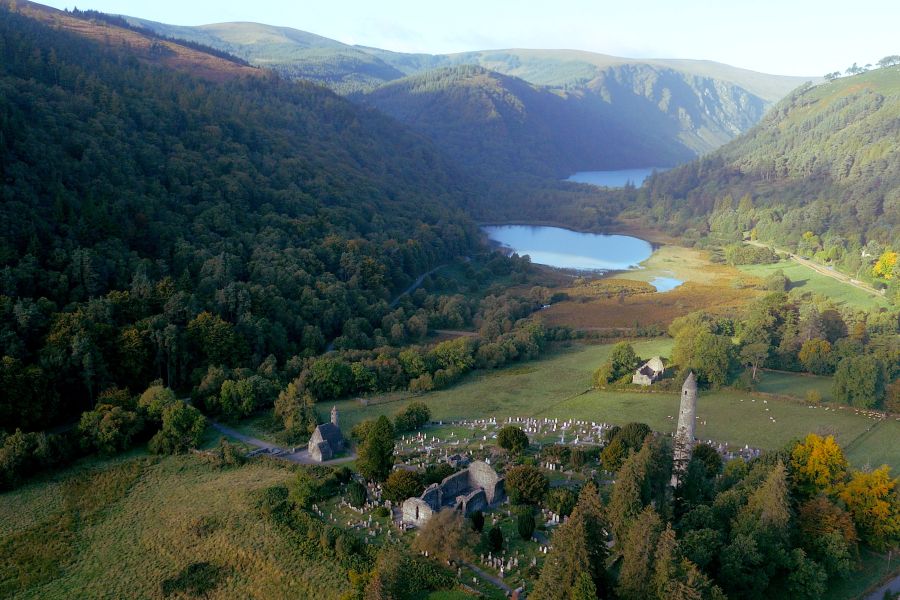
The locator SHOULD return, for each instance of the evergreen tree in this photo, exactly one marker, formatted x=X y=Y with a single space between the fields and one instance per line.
x=626 y=501
x=376 y=453
x=579 y=548
x=636 y=579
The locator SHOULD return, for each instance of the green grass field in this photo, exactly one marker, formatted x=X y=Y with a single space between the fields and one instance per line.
x=797 y=385
x=121 y=531
x=805 y=279
x=878 y=447
x=560 y=386
x=519 y=390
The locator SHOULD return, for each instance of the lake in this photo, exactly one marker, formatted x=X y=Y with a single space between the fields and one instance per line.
x=614 y=179
x=568 y=249
x=664 y=284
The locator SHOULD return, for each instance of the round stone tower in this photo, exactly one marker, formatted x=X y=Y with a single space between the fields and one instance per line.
x=684 y=434
x=334 y=416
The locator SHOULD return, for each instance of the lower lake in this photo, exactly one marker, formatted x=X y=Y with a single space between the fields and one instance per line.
x=568 y=249
x=614 y=179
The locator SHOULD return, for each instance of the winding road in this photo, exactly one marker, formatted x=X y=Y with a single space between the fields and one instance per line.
x=301 y=457
x=414 y=285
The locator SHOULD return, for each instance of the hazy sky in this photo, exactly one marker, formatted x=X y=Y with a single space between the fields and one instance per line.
x=791 y=37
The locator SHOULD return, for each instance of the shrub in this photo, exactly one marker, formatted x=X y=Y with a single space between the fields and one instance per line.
x=109 y=429
x=155 y=399
x=478 y=521
x=196 y=579
x=526 y=484
x=562 y=501
x=412 y=417
x=422 y=383
x=513 y=439
x=356 y=494
x=525 y=524
x=402 y=484
x=495 y=539
x=182 y=429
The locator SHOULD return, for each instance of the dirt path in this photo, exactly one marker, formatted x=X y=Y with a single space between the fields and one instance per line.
x=301 y=457
x=822 y=270
x=892 y=586
x=456 y=332
x=488 y=577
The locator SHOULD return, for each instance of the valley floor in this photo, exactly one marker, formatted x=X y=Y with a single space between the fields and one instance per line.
x=560 y=387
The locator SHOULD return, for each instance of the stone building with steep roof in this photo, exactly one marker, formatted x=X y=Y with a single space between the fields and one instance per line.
x=327 y=440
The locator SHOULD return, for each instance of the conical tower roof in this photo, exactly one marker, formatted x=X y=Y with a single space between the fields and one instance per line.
x=690 y=383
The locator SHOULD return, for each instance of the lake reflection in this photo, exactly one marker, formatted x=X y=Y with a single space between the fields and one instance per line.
x=614 y=179
x=567 y=249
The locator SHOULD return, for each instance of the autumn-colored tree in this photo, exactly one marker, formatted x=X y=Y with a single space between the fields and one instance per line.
x=815 y=356
x=818 y=466
x=892 y=397
x=884 y=266
x=155 y=399
x=827 y=534
x=873 y=500
x=295 y=409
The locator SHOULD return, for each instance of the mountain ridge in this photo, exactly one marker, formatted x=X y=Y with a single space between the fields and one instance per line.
x=767 y=86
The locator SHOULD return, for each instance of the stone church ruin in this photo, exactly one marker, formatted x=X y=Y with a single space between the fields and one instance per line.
x=476 y=488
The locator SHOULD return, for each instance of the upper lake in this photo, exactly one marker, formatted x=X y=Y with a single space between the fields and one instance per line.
x=614 y=179
x=568 y=249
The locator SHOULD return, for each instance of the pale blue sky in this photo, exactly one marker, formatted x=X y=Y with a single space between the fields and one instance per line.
x=791 y=37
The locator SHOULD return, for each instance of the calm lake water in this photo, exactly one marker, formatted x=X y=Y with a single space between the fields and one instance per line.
x=664 y=284
x=567 y=249
x=615 y=179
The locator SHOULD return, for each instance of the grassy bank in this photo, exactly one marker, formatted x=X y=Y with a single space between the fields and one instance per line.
x=805 y=279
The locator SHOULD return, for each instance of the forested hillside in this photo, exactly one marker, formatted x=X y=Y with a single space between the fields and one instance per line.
x=153 y=222
x=571 y=110
x=820 y=175
x=501 y=125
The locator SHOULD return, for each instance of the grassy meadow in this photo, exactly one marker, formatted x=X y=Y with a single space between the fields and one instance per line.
x=560 y=386
x=796 y=385
x=805 y=279
x=122 y=528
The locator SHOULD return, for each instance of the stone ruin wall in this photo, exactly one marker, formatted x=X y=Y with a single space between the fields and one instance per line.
x=455 y=484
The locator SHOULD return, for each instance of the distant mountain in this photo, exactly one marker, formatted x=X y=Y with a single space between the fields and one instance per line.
x=497 y=124
x=609 y=112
